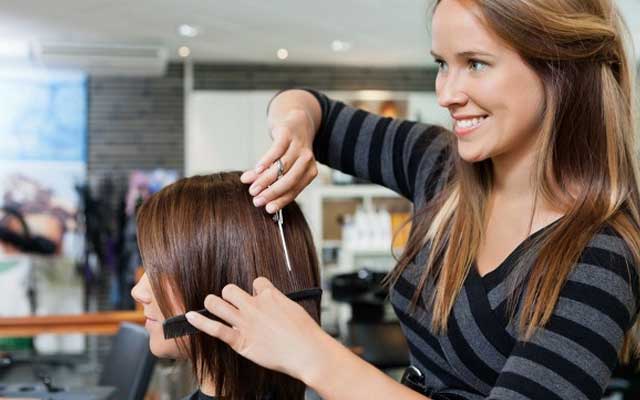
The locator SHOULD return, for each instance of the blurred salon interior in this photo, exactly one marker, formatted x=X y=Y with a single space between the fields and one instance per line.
x=104 y=103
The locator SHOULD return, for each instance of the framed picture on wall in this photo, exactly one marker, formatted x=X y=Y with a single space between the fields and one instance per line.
x=43 y=142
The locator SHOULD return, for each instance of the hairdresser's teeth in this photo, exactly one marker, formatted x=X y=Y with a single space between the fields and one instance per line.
x=469 y=123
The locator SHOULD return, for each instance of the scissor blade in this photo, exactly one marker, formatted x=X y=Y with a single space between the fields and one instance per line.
x=284 y=246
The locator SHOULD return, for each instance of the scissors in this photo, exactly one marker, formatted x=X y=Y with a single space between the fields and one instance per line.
x=278 y=218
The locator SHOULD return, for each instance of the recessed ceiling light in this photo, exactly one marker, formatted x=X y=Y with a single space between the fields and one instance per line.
x=184 y=51
x=340 y=46
x=188 y=30
x=282 y=54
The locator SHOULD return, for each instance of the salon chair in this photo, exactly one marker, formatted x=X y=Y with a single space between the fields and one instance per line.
x=380 y=342
x=130 y=363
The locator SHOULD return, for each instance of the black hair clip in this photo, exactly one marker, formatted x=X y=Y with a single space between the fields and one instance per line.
x=179 y=326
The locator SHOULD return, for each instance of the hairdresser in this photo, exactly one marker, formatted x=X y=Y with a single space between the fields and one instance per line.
x=520 y=276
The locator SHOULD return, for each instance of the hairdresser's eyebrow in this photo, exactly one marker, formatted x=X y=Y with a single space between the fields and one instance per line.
x=466 y=54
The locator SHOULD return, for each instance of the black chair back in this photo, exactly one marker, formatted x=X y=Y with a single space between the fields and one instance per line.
x=130 y=363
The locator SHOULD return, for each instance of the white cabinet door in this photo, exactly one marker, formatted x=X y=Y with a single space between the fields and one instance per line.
x=261 y=140
x=226 y=130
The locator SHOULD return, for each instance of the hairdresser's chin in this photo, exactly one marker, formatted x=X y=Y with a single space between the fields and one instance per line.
x=160 y=347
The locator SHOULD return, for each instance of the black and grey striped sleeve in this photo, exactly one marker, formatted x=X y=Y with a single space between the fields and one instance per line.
x=574 y=355
x=405 y=156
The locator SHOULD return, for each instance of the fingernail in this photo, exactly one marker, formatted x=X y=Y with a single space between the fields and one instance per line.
x=190 y=316
x=259 y=168
x=271 y=208
x=255 y=190
x=258 y=201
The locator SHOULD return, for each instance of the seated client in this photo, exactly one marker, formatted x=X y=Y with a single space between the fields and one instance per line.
x=198 y=235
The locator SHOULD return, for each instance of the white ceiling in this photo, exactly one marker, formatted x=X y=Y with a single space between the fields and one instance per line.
x=381 y=34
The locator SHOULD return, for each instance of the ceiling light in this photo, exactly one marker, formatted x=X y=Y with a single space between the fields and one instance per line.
x=188 y=30
x=340 y=46
x=283 y=54
x=184 y=51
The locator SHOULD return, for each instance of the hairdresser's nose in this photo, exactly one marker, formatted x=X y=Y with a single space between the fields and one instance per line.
x=450 y=90
x=141 y=292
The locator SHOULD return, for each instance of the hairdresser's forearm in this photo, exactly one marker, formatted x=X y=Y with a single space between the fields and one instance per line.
x=339 y=374
x=294 y=101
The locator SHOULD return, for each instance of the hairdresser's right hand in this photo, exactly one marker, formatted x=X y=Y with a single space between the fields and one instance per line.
x=267 y=328
x=293 y=119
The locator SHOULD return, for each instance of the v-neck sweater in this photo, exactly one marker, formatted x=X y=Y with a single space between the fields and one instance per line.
x=480 y=356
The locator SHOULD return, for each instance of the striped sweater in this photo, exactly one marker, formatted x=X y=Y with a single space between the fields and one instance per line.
x=480 y=357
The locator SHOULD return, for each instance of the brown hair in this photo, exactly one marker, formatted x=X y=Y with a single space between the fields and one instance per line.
x=587 y=141
x=202 y=233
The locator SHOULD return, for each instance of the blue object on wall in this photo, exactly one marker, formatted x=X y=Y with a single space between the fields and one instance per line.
x=44 y=115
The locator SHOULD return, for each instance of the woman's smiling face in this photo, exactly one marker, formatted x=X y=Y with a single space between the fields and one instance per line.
x=494 y=97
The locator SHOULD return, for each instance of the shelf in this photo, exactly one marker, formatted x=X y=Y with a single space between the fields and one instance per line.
x=368 y=196
x=369 y=252
x=331 y=243
x=351 y=191
x=338 y=244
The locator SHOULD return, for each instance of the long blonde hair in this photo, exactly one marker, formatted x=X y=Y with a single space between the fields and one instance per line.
x=577 y=48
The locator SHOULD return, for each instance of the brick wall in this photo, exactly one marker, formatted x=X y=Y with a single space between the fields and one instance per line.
x=135 y=123
x=266 y=77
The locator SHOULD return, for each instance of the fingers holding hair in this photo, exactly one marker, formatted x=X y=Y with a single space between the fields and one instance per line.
x=236 y=296
x=214 y=328
x=222 y=309
x=285 y=190
x=277 y=150
x=282 y=140
x=260 y=284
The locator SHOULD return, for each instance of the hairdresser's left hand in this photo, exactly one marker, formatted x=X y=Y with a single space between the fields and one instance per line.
x=267 y=328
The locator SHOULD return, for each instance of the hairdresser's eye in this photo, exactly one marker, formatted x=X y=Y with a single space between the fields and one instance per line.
x=476 y=65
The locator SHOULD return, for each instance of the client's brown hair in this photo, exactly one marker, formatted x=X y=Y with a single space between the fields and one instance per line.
x=202 y=233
